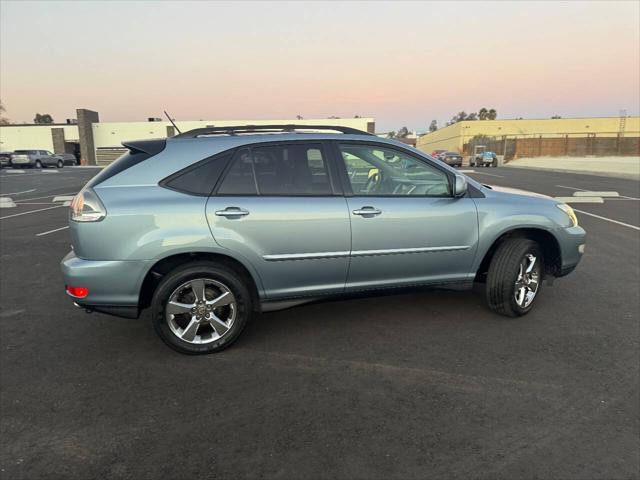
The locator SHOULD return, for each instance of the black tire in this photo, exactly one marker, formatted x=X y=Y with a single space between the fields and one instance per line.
x=60 y=164
x=503 y=273
x=38 y=164
x=196 y=270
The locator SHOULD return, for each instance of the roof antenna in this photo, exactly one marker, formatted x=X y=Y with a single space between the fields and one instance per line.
x=172 y=122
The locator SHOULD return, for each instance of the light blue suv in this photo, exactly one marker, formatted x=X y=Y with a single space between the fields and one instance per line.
x=214 y=224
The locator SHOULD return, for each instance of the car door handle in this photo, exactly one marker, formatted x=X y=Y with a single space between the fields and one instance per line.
x=232 y=212
x=366 y=211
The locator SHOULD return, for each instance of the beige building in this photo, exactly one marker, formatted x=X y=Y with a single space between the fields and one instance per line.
x=101 y=142
x=456 y=137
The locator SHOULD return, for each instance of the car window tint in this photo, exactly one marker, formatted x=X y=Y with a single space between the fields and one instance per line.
x=297 y=169
x=374 y=170
x=201 y=178
x=240 y=179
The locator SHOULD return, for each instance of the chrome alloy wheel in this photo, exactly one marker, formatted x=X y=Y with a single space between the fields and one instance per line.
x=528 y=281
x=201 y=311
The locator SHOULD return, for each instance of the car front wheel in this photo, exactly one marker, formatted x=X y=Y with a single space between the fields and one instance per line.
x=38 y=164
x=515 y=277
x=201 y=308
x=60 y=164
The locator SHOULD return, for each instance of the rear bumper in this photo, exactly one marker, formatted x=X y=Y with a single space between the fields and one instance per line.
x=16 y=162
x=113 y=285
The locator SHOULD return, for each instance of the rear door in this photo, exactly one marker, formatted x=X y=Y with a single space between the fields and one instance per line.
x=278 y=206
x=407 y=227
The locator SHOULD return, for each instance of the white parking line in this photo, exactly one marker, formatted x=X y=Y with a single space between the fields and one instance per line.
x=580 y=199
x=51 y=231
x=18 y=176
x=62 y=198
x=590 y=193
x=46 y=196
x=584 y=190
x=607 y=219
x=17 y=193
x=30 y=211
x=489 y=174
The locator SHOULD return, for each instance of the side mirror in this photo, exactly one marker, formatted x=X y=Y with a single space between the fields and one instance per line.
x=460 y=187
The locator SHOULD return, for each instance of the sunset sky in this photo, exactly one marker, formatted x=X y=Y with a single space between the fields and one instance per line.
x=402 y=63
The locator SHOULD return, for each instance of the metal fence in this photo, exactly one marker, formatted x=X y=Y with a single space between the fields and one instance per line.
x=559 y=145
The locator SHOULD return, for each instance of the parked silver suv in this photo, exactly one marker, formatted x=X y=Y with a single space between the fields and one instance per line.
x=35 y=159
x=216 y=223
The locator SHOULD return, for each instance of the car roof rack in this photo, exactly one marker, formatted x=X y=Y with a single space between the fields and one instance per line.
x=248 y=129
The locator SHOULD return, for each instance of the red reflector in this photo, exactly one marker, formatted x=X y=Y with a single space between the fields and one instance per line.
x=78 y=292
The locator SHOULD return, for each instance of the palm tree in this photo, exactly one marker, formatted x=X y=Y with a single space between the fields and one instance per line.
x=492 y=114
x=482 y=113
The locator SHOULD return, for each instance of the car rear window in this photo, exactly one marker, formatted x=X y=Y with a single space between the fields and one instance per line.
x=129 y=159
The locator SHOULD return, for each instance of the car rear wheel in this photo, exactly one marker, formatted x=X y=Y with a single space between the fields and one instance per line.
x=201 y=308
x=60 y=164
x=38 y=164
x=515 y=277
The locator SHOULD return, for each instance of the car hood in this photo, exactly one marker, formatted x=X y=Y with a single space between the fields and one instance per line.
x=516 y=191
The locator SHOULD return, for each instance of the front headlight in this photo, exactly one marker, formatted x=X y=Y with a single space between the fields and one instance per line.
x=570 y=213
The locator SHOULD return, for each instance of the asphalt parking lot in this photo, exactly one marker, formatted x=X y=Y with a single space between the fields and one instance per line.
x=427 y=384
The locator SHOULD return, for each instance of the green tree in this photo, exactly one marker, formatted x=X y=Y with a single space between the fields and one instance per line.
x=555 y=117
x=482 y=113
x=43 y=118
x=492 y=114
x=402 y=133
x=433 y=126
x=458 y=117
x=3 y=120
x=472 y=116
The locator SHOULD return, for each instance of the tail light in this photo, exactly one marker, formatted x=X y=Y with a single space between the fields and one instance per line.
x=77 y=292
x=87 y=207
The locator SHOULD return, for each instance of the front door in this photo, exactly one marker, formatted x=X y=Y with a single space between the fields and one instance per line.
x=277 y=207
x=406 y=226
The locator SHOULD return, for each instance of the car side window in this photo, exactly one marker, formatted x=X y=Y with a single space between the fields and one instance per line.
x=240 y=179
x=381 y=171
x=293 y=169
x=201 y=178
